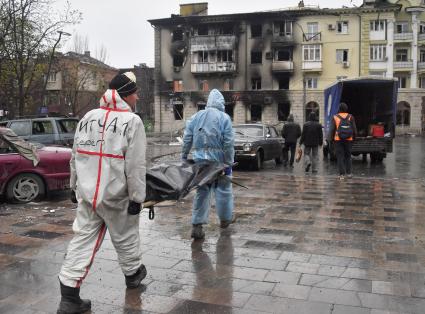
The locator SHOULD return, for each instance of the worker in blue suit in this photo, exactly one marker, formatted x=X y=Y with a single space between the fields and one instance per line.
x=210 y=135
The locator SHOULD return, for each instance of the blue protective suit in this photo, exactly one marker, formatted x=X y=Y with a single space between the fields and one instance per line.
x=209 y=134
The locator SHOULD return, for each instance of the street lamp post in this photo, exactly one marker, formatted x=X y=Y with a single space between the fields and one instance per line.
x=43 y=92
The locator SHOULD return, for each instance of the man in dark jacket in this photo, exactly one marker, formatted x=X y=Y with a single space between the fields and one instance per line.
x=312 y=138
x=291 y=131
x=343 y=145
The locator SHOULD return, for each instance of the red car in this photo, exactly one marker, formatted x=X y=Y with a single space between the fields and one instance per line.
x=29 y=171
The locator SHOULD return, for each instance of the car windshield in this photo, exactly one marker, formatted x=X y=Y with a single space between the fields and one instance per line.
x=248 y=130
x=67 y=125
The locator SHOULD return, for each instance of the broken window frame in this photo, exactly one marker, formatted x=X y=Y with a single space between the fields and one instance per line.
x=256 y=83
x=228 y=84
x=283 y=111
x=203 y=85
x=283 y=28
x=283 y=50
x=178 y=58
x=283 y=82
x=177 y=35
x=225 y=55
x=225 y=29
x=258 y=109
x=257 y=56
x=178 y=110
x=202 y=56
x=177 y=86
x=204 y=30
x=258 y=33
x=342 y=27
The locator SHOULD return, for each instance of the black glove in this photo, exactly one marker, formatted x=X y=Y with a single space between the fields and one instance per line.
x=73 y=197
x=134 y=208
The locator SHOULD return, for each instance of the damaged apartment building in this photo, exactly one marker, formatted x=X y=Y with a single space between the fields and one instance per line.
x=273 y=63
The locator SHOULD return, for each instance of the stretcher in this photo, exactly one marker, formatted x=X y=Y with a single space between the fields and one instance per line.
x=174 y=180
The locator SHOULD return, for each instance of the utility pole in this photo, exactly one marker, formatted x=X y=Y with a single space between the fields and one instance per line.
x=43 y=92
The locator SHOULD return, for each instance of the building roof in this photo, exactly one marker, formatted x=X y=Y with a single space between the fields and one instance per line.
x=290 y=13
x=86 y=58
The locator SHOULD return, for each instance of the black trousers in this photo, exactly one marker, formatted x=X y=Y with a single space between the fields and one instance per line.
x=343 y=156
x=291 y=147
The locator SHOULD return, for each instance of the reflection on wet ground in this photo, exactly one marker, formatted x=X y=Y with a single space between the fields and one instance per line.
x=300 y=244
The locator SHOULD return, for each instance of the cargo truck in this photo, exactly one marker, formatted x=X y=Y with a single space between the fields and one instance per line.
x=373 y=103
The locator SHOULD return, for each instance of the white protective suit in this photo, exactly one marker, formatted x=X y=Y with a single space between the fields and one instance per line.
x=108 y=169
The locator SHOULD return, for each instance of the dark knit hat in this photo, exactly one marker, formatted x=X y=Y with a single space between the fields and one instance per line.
x=124 y=83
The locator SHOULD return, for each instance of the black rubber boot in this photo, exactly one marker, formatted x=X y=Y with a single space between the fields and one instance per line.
x=133 y=281
x=71 y=303
x=197 y=232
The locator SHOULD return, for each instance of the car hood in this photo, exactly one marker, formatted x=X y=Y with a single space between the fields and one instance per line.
x=246 y=139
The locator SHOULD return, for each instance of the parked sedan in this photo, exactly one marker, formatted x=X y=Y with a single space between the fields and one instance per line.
x=29 y=171
x=257 y=143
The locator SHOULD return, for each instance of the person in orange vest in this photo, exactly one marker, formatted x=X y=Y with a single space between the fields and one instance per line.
x=343 y=131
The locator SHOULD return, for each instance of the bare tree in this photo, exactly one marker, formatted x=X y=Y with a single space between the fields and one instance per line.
x=26 y=46
x=80 y=44
x=102 y=54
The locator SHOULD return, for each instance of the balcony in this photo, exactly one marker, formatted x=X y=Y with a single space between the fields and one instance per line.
x=282 y=66
x=378 y=35
x=213 y=42
x=282 y=40
x=403 y=36
x=377 y=64
x=213 y=67
x=312 y=66
x=421 y=65
x=312 y=37
x=421 y=37
x=403 y=65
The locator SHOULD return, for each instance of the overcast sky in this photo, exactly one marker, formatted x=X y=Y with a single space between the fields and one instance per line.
x=122 y=26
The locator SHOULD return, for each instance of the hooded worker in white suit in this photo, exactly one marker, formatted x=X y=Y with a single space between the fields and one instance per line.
x=108 y=169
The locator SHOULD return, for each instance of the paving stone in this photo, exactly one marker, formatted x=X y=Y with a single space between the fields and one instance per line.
x=282 y=277
x=291 y=291
x=344 y=309
x=391 y=288
x=328 y=270
x=295 y=257
x=300 y=267
x=334 y=296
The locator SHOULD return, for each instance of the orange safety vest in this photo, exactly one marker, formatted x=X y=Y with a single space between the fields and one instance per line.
x=337 y=122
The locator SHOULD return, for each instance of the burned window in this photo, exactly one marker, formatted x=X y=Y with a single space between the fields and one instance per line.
x=283 y=55
x=202 y=56
x=178 y=60
x=256 y=112
x=202 y=30
x=177 y=86
x=203 y=85
x=256 y=57
x=283 y=110
x=224 y=55
x=256 y=30
x=177 y=35
x=256 y=83
x=283 y=82
x=225 y=29
x=228 y=84
x=178 y=111
x=228 y=108
x=311 y=106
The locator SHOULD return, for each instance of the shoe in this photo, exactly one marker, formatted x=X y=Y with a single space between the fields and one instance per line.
x=341 y=177
x=225 y=223
x=197 y=232
x=307 y=168
x=291 y=165
x=349 y=176
x=133 y=281
x=71 y=303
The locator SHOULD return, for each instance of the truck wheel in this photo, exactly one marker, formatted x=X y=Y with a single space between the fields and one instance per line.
x=25 y=188
x=258 y=161
x=377 y=157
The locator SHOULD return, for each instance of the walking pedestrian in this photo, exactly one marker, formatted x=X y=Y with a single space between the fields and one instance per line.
x=343 y=131
x=209 y=132
x=312 y=138
x=291 y=131
x=108 y=181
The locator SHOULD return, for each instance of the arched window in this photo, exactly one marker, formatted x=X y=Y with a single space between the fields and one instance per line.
x=403 y=113
x=311 y=106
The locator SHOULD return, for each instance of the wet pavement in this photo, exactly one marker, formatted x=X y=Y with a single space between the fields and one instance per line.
x=300 y=244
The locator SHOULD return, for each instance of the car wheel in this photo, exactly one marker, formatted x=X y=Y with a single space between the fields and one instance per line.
x=258 y=161
x=279 y=159
x=25 y=187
